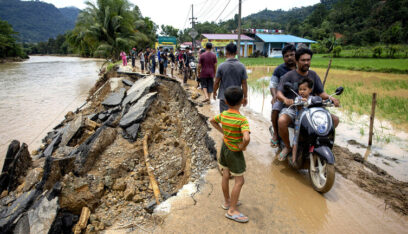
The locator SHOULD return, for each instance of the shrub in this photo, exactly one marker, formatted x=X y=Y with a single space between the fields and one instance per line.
x=336 y=51
x=377 y=51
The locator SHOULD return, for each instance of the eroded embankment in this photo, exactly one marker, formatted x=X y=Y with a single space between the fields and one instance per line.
x=93 y=162
x=372 y=179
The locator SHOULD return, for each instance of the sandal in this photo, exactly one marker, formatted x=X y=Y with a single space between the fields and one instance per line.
x=227 y=207
x=274 y=144
x=282 y=156
x=236 y=218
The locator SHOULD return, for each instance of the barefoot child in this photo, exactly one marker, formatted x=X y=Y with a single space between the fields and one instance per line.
x=235 y=129
x=305 y=89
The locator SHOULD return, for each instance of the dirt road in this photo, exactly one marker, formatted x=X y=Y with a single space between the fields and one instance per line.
x=278 y=199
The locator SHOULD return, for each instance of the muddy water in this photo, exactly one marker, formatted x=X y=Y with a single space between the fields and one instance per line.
x=277 y=199
x=390 y=144
x=36 y=94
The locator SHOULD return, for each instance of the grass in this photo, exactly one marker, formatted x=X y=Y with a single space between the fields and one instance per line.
x=391 y=89
x=398 y=66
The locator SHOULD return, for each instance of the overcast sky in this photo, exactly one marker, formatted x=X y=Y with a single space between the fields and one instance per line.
x=174 y=12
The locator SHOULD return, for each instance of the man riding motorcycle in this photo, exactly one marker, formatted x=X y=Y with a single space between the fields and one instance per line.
x=303 y=60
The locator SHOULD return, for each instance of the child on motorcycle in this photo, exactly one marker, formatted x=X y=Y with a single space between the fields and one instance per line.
x=305 y=89
x=235 y=129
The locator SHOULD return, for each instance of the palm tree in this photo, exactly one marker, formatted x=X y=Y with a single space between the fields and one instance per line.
x=105 y=28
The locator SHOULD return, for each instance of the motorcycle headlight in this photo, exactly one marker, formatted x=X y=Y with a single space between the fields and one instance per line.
x=320 y=121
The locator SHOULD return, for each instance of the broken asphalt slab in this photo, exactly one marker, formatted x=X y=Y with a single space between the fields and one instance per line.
x=137 y=111
x=114 y=99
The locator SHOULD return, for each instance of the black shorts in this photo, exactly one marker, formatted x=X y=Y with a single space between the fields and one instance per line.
x=207 y=83
x=142 y=65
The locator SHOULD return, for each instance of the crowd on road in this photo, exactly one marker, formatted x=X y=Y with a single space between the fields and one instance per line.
x=230 y=87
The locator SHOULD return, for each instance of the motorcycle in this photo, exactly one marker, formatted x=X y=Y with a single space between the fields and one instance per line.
x=193 y=70
x=313 y=133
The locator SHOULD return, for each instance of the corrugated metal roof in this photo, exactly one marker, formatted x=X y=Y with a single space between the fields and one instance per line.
x=227 y=37
x=282 y=38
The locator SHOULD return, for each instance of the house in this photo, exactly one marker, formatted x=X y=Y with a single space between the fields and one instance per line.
x=271 y=45
x=220 y=41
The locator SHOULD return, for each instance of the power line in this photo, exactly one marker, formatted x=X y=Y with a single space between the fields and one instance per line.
x=202 y=9
x=211 y=10
x=185 y=22
x=223 y=10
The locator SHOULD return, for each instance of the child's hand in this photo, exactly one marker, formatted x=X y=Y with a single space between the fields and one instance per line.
x=241 y=146
x=304 y=99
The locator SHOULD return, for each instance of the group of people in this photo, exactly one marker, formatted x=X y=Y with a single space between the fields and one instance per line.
x=230 y=87
x=231 y=82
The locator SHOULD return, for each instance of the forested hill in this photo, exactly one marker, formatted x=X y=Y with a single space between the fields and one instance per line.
x=37 y=21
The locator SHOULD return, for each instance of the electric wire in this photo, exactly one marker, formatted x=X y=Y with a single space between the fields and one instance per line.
x=185 y=22
x=212 y=8
x=223 y=10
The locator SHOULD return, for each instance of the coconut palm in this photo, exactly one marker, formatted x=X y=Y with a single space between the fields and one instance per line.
x=106 y=28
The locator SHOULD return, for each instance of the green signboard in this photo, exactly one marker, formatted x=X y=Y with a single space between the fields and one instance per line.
x=167 y=40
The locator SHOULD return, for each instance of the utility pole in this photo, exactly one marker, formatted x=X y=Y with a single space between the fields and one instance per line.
x=239 y=29
x=192 y=26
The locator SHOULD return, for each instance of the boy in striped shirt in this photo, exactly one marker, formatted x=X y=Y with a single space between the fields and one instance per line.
x=235 y=129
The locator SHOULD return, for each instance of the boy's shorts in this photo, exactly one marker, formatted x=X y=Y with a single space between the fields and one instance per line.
x=233 y=161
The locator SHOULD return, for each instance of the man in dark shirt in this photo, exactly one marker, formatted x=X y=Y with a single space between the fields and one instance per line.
x=230 y=73
x=288 y=54
x=303 y=58
x=147 y=61
x=207 y=65
x=186 y=60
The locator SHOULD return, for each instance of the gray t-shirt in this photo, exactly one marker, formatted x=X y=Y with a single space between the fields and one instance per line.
x=231 y=72
x=294 y=78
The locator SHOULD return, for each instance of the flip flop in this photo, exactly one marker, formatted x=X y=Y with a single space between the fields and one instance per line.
x=274 y=144
x=227 y=207
x=282 y=156
x=236 y=218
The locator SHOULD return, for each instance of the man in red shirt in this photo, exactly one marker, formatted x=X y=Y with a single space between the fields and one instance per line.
x=207 y=65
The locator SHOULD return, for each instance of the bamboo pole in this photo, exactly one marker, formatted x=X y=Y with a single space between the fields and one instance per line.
x=327 y=72
x=153 y=181
x=263 y=95
x=370 y=134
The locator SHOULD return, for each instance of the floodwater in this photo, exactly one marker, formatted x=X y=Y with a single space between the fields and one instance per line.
x=36 y=94
x=390 y=144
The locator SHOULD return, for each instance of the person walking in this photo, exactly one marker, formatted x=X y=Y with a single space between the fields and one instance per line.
x=124 y=59
x=159 y=58
x=142 y=60
x=207 y=65
x=230 y=73
x=133 y=57
x=172 y=61
x=147 y=61
x=186 y=65
x=152 y=59
x=165 y=61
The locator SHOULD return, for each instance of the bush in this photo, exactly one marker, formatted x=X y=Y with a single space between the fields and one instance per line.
x=392 y=50
x=336 y=51
x=319 y=48
x=377 y=51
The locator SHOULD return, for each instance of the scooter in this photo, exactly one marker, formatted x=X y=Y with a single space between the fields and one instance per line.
x=193 y=70
x=313 y=133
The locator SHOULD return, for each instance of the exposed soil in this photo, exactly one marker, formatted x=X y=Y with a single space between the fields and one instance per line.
x=372 y=179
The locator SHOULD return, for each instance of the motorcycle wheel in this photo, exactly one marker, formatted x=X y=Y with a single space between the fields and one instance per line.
x=321 y=174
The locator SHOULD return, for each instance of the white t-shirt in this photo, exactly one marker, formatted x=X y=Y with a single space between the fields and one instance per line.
x=142 y=58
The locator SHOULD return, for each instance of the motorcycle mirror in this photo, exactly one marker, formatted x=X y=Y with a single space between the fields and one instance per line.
x=339 y=90
x=287 y=85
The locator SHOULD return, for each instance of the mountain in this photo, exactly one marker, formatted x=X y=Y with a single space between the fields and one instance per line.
x=37 y=21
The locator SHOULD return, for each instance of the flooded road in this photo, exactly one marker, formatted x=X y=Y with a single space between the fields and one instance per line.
x=278 y=199
x=36 y=94
x=390 y=141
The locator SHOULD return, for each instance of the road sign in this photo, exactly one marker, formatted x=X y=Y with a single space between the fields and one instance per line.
x=193 y=33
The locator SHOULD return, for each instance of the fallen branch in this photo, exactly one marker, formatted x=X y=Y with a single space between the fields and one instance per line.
x=153 y=181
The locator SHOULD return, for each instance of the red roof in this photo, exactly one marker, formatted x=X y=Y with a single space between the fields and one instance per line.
x=227 y=37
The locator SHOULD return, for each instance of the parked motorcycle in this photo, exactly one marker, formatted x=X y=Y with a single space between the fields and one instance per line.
x=314 y=133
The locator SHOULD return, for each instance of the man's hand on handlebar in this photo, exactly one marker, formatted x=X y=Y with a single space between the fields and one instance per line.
x=288 y=102
x=335 y=101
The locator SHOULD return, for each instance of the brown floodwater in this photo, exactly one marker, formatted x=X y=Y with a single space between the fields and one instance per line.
x=36 y=94
x=390 y=142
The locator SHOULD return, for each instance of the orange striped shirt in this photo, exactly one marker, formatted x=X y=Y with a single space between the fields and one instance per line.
x=233 y=125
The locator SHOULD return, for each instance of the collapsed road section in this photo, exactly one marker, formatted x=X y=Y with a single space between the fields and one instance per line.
x=91 y=174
